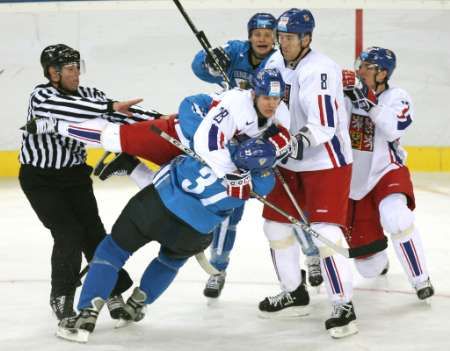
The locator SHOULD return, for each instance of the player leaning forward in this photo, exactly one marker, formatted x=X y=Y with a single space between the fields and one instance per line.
x=186 y=201
x=382 y=196
x=318 y=174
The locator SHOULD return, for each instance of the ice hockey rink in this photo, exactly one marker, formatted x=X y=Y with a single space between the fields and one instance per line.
x=390 y=317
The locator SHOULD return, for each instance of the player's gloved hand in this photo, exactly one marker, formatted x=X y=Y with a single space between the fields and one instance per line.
x=222 y=59
x=301 y=141
x=239 y=184
x=281 y=139
x=359 y=93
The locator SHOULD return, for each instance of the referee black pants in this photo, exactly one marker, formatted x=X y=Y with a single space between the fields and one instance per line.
x=65 y=203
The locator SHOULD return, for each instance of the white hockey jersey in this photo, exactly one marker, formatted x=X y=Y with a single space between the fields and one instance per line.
x=316 y=101
x=233 y=114
x=376 y=139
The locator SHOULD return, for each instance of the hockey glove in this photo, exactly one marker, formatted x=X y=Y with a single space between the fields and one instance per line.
x=359 y=93
x=239 y=184
x=281 y=139
x=219 y=58
x=301 y=141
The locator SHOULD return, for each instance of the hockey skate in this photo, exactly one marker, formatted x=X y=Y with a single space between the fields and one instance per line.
x=121 y=165
x=214 y=285
x=40 y=125
x=314 y=272
x=79 y=328
x=286 y=304
x=62 y=306
x=342 y=321
x=424 y=290
x=134 y=309
x=115 y=306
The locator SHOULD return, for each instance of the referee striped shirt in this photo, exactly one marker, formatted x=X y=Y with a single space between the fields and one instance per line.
x=53 y=151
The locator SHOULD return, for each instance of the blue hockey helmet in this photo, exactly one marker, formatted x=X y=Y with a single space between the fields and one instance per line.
x=254 y=154
x=268 y=82
x=261 y=20
x=300 y=21
x=383 y=59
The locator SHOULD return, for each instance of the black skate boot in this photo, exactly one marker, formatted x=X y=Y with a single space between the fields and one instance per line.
x=121 y=165
x=287 y=304
x=62 y=306
x=214 y=285
x=115 y=306
x=79 y=328
x=314 y=272
x=342 y=321
x=424 y=290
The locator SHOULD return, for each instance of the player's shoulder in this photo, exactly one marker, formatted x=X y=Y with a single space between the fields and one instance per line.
x=393 y=94
x=275 y=60
x=237 y=95
x=316 y=61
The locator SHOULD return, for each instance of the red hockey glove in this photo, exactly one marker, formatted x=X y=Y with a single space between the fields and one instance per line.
x=239 y=184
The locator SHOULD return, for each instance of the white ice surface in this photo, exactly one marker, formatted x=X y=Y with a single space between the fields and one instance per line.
x=390 y=317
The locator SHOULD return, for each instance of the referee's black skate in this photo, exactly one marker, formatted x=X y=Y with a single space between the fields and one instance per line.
x=342 y=321
x=79 y=328
x=214 y=285
x=134 y=309
x=62 y=306
x=121 y=165
x=286 y=304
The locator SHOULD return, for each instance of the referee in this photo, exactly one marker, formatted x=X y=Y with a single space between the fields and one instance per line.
x=56 y=179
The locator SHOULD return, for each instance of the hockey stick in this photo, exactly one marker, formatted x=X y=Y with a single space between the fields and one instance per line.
x=305 y=227
x=204 y=42
x=291 y=196
x=359 y=251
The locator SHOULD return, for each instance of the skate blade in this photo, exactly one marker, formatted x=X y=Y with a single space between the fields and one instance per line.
x=122 y=323
x=75 y=335
x=341 y=332
x=287 y=313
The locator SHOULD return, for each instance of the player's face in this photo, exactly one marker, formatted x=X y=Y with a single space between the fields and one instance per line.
x=367 y=72
x=290 y=45
x=70 y=77
x=262 y=41
x=267 y=105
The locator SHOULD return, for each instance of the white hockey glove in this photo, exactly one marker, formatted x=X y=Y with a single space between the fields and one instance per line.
x=301 y=141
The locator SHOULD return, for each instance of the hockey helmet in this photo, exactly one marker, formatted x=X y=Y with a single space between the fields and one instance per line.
x=300 y=21
x=268 y=82
x=261 y=20
x=57 y=56
x=382 y=59
x=254 y=154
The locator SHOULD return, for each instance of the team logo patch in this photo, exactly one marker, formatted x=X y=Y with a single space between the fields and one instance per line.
x=275 y=88
x=282 y=23
x=362 y=133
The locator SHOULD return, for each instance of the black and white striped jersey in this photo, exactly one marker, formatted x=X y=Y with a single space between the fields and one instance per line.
x=55 y=151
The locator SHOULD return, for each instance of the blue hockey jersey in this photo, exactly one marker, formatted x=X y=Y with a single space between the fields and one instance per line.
x=240 y=70
x=190 y=190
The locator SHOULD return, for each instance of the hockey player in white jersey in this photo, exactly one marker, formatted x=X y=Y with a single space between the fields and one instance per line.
x=318 y=174
x=382 y=196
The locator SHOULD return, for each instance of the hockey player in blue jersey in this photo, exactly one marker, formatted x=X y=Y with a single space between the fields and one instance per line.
x=239 y=59
x=179 y=210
